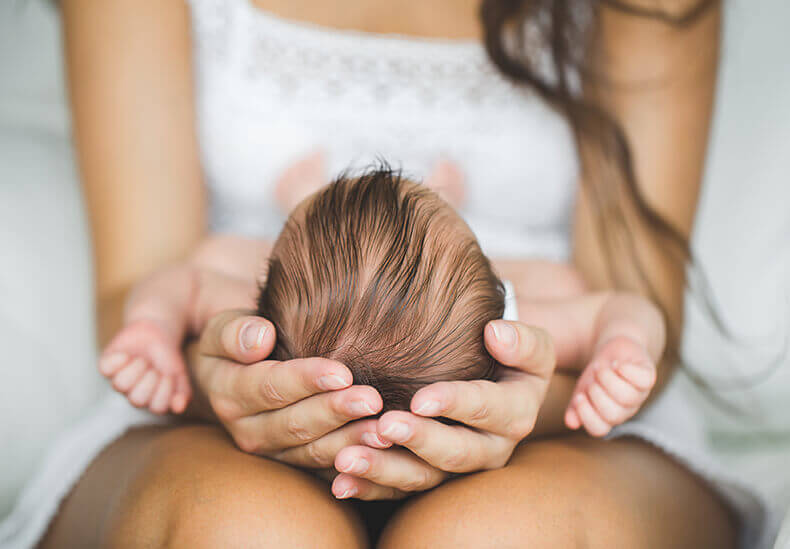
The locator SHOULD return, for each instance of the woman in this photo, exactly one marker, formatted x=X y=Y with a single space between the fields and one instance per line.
x=274 y=81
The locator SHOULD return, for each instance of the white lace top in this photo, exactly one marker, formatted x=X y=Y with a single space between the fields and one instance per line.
x=271 y=91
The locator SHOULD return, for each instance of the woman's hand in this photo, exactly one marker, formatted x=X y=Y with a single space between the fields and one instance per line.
x=297 y=411
x=496 y=416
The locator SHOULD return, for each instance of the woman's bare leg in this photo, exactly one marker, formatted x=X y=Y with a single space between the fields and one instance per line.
x=190 y=487
x=569 y=492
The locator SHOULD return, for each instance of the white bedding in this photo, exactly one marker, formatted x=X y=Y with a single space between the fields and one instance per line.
x=47 y=378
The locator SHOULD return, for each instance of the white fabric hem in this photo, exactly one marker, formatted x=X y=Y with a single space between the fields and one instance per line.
x=66 y=461
x=756 y=524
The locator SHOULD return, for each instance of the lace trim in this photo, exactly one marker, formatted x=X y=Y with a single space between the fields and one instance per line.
x=297 y=59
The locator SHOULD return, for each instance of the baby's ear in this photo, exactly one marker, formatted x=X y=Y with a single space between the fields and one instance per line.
x=447 y=180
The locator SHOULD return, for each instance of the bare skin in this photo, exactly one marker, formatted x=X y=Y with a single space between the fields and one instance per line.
x=161 y=488
x=128 y=60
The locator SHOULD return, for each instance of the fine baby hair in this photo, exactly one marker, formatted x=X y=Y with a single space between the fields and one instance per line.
x=379 y=273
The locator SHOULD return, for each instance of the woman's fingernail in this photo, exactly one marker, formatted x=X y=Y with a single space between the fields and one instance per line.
x=360 y=408
x=111 y=362
x=348 y=493
x=397 y=431
x=374 y=441
x=332 y=382
x=252 y=335
x=504 y=333
x=357 y=466
x=428 y=408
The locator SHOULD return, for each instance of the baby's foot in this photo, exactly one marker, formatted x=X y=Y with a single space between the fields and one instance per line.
x=300 y=180
x=447 y=181
x=612 y=387
x=144 y=362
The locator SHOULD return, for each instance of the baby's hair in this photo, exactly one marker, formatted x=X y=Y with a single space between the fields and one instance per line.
x=379 y=273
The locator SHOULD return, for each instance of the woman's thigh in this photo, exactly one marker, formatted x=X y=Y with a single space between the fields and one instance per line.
x=569 y=492
x=190 y=487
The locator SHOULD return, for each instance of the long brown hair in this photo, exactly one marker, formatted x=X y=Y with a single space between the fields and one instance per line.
x=518 y=34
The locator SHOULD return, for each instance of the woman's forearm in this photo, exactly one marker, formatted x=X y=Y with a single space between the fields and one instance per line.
x=109 y=315
x=130 y=90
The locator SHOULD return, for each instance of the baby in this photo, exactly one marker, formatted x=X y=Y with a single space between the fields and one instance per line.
x=381 y=274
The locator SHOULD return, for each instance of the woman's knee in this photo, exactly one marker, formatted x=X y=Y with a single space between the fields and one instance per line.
x=567 y=493
x=196 y=490
x=512 y=507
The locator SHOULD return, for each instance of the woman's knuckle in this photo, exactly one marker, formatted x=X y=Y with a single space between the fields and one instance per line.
x=497 y=462
x=480 y=411
x=520 y=428
x=224 y=408
x=296 y=429
x=271 y=393
x=417 y=483
x=455 y=460
x=317 y=456
x=246 y=443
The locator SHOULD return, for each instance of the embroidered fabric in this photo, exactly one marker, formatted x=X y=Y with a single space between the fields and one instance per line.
x=271 y=91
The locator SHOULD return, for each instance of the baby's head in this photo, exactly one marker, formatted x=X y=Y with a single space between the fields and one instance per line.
x=379 y=273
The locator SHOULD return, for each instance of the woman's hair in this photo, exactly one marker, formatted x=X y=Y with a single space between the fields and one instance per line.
x=380 y=274
x=518 y=36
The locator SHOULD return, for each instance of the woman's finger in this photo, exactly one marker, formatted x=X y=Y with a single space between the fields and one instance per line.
x=504 y=408
x=394 y=467
x=272 y=385
x=238 y=336
x=304 y=421
x=451 y=448
x=346 y=486
x=521 y=347
x=321 y=452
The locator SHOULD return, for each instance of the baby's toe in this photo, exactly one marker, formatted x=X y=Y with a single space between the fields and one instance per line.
x=160 y=402
x=142 y=392
x=182 y=394
x=167 y=359
x=611 y=412
x=641 y=376
x=127 y=377
x=110 y=363
x=572 y=420
x=179 y=403
x=621 y=391
x=593 y=422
